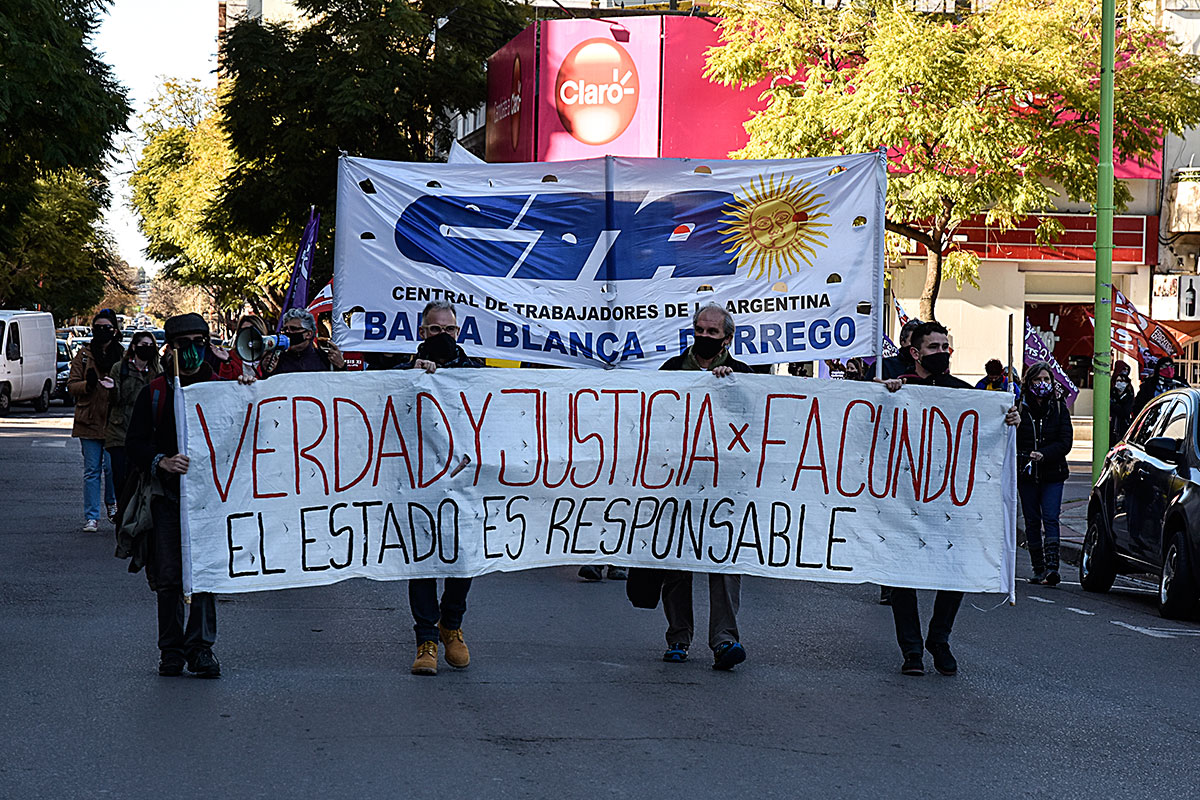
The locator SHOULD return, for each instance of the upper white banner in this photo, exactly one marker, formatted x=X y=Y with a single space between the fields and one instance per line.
x=400 y=474
x=602 y=262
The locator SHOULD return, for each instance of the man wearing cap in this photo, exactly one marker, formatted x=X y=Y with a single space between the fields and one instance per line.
x=151 y=447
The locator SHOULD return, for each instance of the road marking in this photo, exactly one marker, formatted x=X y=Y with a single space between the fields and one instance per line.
x=1037 y=599
x=1177 y=631
x=1139 y=629
x=50 y=443
x=1081 y=611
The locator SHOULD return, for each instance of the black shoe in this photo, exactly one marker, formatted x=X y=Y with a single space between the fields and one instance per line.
x=204 y=664
x=1038 y=577
x=728 y=655
x=676 y=653
x=170 y=665
x=943 y=659
x=1052 y=578
x=913 y=665
x=618 y=574
x=885 y=595
x=590 y=573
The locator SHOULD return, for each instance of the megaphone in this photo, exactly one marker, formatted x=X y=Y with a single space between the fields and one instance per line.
x=250 y=345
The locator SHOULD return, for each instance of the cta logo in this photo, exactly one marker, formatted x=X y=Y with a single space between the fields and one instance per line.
x=596 y=92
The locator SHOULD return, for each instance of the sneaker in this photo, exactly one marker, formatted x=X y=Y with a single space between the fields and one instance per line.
x=1052 y=578
x=676 y=653
x=1038 y=578
x=728 y=655
x=112 y=513
x=590 y=573
x=913 y=665
x=91 y=526
x=457 y=654
x=885 y=595
x=618 y=574
x=426 y=661
x=203 y=664
x=170 y=665
x=943 y=659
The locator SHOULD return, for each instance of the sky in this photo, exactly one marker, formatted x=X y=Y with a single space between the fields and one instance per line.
x=145 y=41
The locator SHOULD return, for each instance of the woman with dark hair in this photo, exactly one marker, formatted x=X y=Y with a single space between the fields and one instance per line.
x=1043 y=440
x=1162 y=379
x=129 y=375
x=88 y=382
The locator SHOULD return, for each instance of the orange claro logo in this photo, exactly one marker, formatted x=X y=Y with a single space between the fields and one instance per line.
x=596 y=92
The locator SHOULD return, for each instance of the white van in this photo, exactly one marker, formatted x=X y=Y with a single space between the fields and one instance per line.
x=27 y=359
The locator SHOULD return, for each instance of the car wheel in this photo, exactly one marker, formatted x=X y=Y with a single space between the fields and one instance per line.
x=42 y=403
x=5 y=401
x=1176 y=583
x=1098 y=563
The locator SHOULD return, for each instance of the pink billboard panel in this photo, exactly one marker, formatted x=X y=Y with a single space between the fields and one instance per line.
x=700 y=119
x=598 y=91
x=511 y=99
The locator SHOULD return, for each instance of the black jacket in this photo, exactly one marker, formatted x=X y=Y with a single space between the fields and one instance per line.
x=461 y=359
x=945 y=380
x=1152 y=387
x=1120 y=414
x=1045 y=428
x=675 y=363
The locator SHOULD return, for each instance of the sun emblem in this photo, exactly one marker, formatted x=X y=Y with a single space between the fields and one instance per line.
x=774 y=224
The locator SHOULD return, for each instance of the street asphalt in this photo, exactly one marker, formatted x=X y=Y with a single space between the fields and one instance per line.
x=1064 y=695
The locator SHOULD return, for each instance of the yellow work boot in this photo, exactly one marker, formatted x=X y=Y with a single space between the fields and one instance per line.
x=426 y=662
x=457 y=654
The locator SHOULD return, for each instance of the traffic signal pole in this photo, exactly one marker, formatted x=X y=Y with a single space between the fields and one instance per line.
x=1102 y=355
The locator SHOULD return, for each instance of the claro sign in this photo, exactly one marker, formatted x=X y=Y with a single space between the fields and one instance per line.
x=596 y=92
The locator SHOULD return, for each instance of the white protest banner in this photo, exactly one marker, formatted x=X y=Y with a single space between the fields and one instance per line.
x=601 y=263
x=302 y=480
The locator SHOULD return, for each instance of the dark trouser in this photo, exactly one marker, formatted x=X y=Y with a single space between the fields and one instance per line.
x=1041 y=504
x=423 y=600
x=201 y=629
x=724 y=595
x=908 y=618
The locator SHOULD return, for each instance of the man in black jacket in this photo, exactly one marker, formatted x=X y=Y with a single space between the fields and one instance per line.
x=151 y=446
x=439 y=349
x=713 y=328
x=930 y=352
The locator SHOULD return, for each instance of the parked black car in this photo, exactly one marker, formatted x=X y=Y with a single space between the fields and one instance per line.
x=62 y=370
x=1144 y=512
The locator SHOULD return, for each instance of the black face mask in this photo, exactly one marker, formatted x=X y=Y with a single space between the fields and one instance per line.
x=707 y=347
x=145 y=351
x=936 y=363
x=441 y=348
x=102 y=334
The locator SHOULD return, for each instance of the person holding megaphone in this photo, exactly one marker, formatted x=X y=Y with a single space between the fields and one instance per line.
x=296 y=350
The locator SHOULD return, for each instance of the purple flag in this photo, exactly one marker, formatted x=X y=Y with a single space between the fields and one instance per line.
x=1036 y=350
x=297 y=294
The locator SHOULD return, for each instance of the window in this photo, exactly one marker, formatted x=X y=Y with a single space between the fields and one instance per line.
x=1149 y=422
x=13 y=349
x=1175 y=425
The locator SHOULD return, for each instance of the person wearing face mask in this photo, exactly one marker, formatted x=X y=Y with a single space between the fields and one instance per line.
x=1120 y=403
x=713 y=329
x=1043 y=441
x=152 y=447
x=434 y=621
x=303 y=354
x=930 y=352
x=89 y=382
x=1162 y=379
x=230 y=365
x=901 y=363
x=138 y=367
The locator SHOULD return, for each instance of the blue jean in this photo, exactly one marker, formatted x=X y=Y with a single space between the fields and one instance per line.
x=96 y=466
x=1041 y=503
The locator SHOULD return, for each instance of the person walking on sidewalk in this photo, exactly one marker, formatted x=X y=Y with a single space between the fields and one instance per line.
x=1043 y=441
x=439 y=349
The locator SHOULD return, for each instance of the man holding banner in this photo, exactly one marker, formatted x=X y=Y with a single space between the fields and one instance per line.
x=152 y=446
x=433 y=621
x=714 y=328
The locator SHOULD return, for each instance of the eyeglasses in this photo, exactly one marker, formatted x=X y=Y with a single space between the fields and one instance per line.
x=434 y=330
x=293 y=331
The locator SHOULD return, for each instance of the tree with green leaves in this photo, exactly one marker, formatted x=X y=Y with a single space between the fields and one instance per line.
x=374 y=78
x=994 y=113
x=185 y=157
x=60 y=106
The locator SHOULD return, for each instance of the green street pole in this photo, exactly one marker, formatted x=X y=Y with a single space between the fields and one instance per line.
x=1102 y=356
